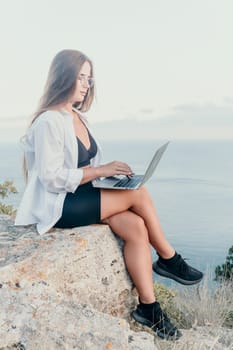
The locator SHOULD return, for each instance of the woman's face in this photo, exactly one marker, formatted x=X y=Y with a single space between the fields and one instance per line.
x=82 y=83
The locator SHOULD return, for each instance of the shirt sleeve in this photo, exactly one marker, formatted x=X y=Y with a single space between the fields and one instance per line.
x=49 y=158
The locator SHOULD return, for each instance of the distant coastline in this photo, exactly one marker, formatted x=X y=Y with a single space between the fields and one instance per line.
x=192 y=122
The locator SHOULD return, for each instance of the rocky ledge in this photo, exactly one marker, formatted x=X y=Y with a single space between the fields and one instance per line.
x=67 y=289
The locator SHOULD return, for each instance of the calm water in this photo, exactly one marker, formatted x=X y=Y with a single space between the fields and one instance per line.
x=192 y=190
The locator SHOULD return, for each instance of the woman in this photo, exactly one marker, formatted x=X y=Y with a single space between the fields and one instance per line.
x=62 y=158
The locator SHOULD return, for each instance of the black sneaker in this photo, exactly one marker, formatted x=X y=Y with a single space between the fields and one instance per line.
x=179 y=271
x=157 y=320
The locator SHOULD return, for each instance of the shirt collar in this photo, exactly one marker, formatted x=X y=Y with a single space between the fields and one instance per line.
x=65 y=112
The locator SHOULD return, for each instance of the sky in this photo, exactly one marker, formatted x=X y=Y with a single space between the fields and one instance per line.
x=162 y=60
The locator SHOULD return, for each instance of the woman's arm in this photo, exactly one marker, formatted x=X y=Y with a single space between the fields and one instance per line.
x=109 y=169
x=49 y=157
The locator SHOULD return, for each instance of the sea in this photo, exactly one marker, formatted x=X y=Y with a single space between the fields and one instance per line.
x=192 y=190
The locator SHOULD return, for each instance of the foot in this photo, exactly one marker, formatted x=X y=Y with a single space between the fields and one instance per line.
x=178 y=270
x=152 y=316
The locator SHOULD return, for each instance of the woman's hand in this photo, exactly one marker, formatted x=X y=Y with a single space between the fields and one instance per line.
x=115 y=168
x=105 y=170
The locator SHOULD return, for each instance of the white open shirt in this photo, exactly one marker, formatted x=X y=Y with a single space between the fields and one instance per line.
x=51 y=152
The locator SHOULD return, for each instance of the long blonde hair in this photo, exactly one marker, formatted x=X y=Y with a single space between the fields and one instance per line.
x=60 y=85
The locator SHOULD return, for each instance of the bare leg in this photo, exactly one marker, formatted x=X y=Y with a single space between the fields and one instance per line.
x=131 y=228
x=138 y=201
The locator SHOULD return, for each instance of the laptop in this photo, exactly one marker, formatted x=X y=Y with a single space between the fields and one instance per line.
x=135 y=182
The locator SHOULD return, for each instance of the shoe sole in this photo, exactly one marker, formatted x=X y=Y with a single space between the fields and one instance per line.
x=164 y=273
x=147 y=323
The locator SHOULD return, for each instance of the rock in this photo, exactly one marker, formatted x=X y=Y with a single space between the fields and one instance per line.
x=63 y=325
x=85 y=264
x=67 y=289
x=141 y=341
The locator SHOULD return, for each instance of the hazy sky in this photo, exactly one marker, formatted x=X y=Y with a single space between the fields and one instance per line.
x=152 y=58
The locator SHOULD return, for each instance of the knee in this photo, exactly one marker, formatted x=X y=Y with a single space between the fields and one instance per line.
x=143 y=193
x=140 y=230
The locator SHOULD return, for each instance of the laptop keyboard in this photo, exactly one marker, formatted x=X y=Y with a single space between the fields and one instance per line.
x=125 y=182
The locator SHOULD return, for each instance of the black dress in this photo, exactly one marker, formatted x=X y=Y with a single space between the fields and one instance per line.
x=82 y=207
